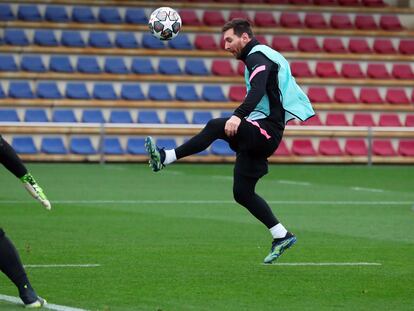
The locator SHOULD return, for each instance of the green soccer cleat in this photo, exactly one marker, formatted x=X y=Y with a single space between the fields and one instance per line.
x=154 y=154
x=35 y=190
x=279 y=246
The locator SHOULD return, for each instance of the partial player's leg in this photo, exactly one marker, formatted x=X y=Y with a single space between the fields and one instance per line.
x=159 y=157
x=11 y=266
x=10 y=159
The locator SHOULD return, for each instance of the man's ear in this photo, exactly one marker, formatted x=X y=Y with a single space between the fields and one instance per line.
x=245 y=37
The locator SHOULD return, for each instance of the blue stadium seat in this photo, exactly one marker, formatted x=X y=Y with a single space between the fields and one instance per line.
x=9 y=115
x=99 y=39
x=64 y=115
x=120 y=116
x=132 y=92
x=81 y=145
x=167 y=143
x=201 y=117
x=142 y=66
x=126 y=40
x=221 y=147
x=6 y=13
x=83 y=14
x=104 y=91
x=186 y=93
x=109 y=15
x=45 y=38
x=53 y=145
x=159 y=92
x=181 y=42
x=56 y=14
x=77 y=90
x=136 y=16
x=115 y=65
x=88 y=64
x=169 y=66
x=24 y=144
x=150 y=42
x=2 y=94
x=112 y=145
x=93 y=116
x=35 y=115
x=136 y=146
x=213 y=93
x=72 y=39
x=148 y=117
x=175 y=117
x=195 y=67
x=32 y=63
x=15 y=37
x=60 y=64
x=29 y=13
x=7 y=63
x=48 y=90
x=226 y=114
x=20 y=89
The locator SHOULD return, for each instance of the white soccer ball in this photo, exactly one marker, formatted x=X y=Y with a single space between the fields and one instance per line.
x=165 y=23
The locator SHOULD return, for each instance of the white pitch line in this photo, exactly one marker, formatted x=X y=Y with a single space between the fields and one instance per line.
x=367 y=189
x=325 y=264
x=296 y=183
x=48 y=306
x=89 y=265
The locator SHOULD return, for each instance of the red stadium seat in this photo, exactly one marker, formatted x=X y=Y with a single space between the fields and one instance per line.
x=315 y=20
x=303 y=147
x=377 y=71
x=359 y=46
x=290 y=20
x=283 y=44
x=356 y=147
x=352 y=71
x=308 y=44
x=340 y=21
x=370 y=96
x=318 y=95
x=363 y=119
x=264 y=19
x=402 y=71
x=300 y=2
x=301 y=69
x=189 y=17
x=330 y=147
x=406 y=47
x=373 y=3
x=336 y=119
x=326 y=70
x=384 y=46
x=349 y=2
x=390 y=22
x=409 y=120
x=240 y=68
x=334 y=45
x=313 y=121
x=406 y=148
x=389 y=119
x=365 y=22
x=262 y=39
x=277 y=1
x=383 y=148
x=213 y=18
x=222 y=68
x=325 y=2
x=397 y=96
x=239 y=14
x=344 y=95
x=205 y=42
x=282 y=150
x=237 y=93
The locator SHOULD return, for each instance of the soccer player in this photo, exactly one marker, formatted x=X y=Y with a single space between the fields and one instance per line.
x=10 y=263
x=255 y=129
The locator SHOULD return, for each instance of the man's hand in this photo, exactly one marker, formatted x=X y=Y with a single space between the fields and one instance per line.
x=231 y=126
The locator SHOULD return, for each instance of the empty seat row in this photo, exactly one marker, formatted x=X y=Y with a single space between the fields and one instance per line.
x=352 y=3
x=135 y=146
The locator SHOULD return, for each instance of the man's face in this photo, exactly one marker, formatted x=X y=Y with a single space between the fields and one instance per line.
x=233 y=43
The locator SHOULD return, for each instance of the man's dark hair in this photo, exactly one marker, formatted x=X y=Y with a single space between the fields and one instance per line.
x=239 y=26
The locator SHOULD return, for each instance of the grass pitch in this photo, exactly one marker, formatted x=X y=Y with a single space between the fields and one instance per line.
x=175 y=240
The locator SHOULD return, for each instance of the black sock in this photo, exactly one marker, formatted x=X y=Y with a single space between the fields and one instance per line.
x=10 y=159
x=10 y=263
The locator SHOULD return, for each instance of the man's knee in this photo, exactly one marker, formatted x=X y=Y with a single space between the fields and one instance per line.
x=240 y=194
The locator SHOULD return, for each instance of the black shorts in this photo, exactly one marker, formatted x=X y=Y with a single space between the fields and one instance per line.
x=254 y=142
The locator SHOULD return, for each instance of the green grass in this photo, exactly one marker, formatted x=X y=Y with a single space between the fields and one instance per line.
x=207 y=255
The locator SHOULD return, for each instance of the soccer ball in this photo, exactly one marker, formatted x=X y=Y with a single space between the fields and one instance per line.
x=165 y=23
